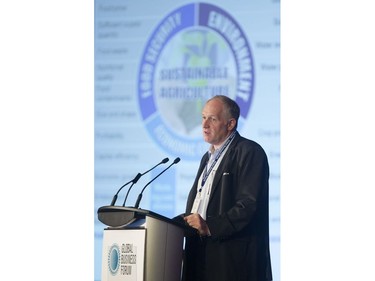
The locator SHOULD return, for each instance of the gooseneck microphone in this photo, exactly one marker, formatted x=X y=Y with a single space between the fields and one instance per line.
x=165 y=160
x=140 y=194
x=136 y=178
x=133 y=181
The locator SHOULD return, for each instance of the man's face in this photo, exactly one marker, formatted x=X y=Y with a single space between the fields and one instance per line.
x=216 y=123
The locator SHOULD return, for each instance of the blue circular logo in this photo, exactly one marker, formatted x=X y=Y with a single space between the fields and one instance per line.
x=114 y=259
x=196 y=52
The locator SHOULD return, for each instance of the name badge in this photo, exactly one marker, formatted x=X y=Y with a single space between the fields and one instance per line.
x=196 y=204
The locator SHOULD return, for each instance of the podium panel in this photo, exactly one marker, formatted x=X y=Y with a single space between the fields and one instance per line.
x=164 y=243
x=123 y=254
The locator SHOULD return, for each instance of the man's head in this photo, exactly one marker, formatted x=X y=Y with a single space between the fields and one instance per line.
x=219 y=119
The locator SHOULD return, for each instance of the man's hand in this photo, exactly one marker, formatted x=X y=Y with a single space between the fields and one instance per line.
x=197 y=222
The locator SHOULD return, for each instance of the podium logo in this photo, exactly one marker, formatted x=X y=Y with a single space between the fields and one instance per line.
x=197 y=51
x=114 y=259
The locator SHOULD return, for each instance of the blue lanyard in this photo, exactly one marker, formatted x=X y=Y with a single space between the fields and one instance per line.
x=206 y=174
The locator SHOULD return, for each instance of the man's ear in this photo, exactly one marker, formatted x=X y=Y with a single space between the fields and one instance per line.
x=231 y=124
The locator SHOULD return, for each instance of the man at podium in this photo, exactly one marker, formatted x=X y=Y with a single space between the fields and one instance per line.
x=228 y=203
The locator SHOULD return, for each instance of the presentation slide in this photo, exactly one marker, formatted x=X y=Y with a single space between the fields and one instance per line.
x=156 y=63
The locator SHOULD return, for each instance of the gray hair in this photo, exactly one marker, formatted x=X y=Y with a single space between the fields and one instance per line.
x=230 y=105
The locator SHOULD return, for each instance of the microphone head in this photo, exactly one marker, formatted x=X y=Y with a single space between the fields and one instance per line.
x=165 y=160
x=176 y=160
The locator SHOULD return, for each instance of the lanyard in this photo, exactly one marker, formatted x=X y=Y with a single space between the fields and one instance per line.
x=206 y=174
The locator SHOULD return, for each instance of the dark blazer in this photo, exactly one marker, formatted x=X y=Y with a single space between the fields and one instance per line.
x=237 y=216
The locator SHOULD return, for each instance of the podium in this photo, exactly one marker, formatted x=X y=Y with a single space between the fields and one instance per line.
x=140 y=245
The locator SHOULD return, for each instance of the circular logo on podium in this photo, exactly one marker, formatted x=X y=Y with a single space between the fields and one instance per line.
x=196 y=52
x=114 y=259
